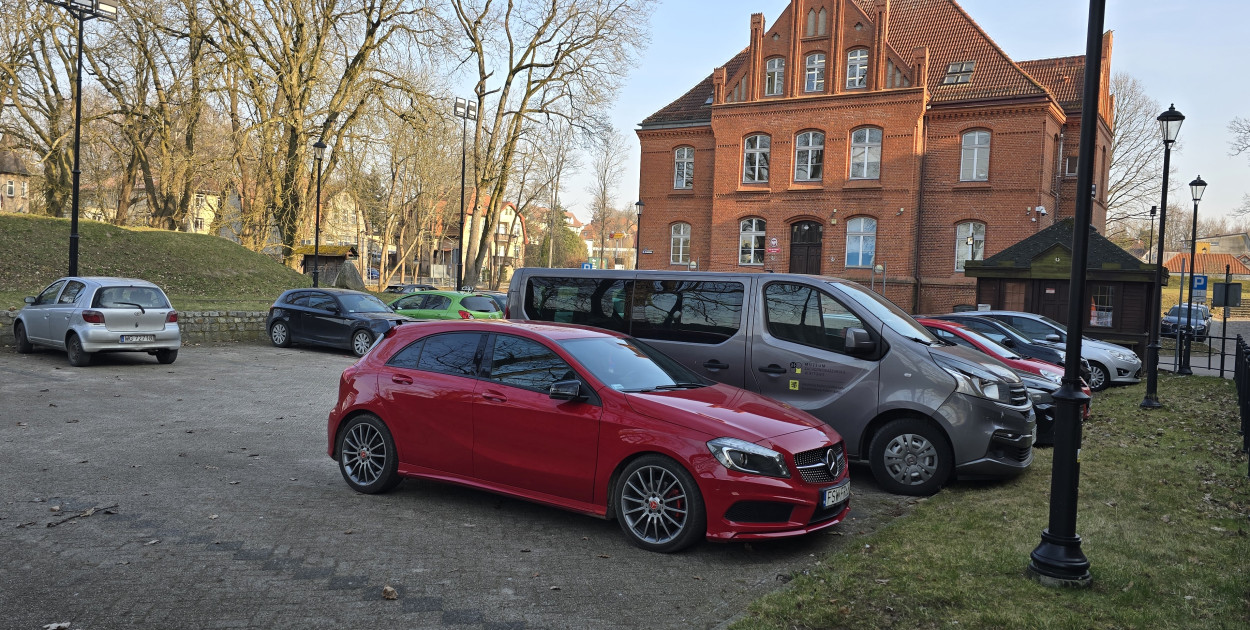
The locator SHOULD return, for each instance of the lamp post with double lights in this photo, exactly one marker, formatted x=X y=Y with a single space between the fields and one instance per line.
x=638 y=205
x=319 y=152
x=465 y=110
x=1197 y=187
x=81 y=10
x=1170 y=127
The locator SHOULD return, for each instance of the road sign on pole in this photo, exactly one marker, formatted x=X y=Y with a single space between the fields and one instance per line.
x=1199 y=288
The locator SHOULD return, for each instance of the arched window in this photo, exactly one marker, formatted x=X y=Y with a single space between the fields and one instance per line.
x=815 y=77
x=861 y=241
x=775 y=76
x=751 y=242
x=969 y=243
x=755 y=159
x=857 y=68
x=683 y=168
x=809 y=156
x=679 y=252
x=866 y=153
x=974 y=164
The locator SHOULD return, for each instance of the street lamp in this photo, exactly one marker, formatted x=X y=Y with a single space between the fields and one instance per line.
x=465 y=110
x=1151 y=243
x=637 y=232
x=81 y=10
x=1169 y=127
x=1197 y=187
x=319 y=151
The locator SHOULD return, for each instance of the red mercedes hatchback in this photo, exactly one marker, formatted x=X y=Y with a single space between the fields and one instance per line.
x=590 y=421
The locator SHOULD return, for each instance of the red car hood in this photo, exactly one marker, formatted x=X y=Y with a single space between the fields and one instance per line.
x=724 y=411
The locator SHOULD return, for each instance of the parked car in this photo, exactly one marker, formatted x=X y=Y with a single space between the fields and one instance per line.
x=500 y=298
x=338 y=318
x=447 y=305
x=1008 y=337
x=918 y=411
x=590 y=421
x=408 y=288
x=87 y=315
x=1178 y=315
x=1108 y=363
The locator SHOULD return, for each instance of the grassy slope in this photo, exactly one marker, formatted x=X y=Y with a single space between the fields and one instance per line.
x=1164 y=514
x=197 y=271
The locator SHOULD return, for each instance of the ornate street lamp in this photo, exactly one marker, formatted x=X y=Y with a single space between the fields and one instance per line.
x=81 y=10
x=319 y=151
x=1169 y=127
x=1196 y=187
x=638 y=205
x=465 y=110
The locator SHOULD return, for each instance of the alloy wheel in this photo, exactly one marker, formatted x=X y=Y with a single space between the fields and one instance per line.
x=654 y=505
x=364 y=454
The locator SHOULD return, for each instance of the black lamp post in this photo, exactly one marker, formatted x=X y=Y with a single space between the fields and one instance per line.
x=638 y=205
x=81 y=10
x=1170 y=127
x=1197 y=187
x=465 y=110
x=319 y=151
x=1151 y=243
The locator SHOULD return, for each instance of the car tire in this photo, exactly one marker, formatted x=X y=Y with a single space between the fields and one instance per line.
x=910 y=456
x=367 y=456
x=19 y=336
x=658 y=505
x=165 y=357
x=280 y=334
x=74 y=352
x=1099 y=379
x=362 y=340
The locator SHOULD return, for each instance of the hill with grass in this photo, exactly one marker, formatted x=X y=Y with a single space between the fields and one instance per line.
x=198 y=271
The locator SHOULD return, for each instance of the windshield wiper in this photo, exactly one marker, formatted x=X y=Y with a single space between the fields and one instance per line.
x=680 y=386
x=138 y=306
x=919 y=340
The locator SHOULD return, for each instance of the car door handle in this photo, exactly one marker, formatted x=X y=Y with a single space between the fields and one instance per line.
x=494 y=397
x=401 y=379
x=772 y=368
x=713 y=364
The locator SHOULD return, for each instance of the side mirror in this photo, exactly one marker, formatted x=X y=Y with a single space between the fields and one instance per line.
x=30 y=299
x=1008 y=342
x=1053 y=337
x=856 y=340
x=566 y=390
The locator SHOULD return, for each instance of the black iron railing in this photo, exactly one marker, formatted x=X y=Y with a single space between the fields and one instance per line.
x=1241 y=378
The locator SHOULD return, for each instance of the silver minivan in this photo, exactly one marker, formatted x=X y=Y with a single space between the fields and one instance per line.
x=917 y=409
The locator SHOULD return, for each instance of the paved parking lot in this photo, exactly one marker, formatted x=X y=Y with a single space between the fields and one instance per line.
x=198 y=495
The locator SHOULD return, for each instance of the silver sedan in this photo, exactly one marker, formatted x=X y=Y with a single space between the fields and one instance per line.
x=86 y=315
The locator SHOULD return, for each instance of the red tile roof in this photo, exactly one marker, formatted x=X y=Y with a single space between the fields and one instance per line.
x=695 y=105
x=1210 y=264
x=1063 y=76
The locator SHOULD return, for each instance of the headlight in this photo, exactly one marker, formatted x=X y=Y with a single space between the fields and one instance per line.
x=1123 y=356
x=1052 y=377
x=972 y=380
x=746 y=457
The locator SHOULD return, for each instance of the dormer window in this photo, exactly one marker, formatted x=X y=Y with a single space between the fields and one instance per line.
x=958 y=73
x=775 y=76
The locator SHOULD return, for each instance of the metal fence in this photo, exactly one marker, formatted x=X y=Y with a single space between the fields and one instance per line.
x=1241 y=378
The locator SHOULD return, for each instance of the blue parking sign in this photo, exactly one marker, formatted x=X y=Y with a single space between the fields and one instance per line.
x=1200 y=283
x=587 y=265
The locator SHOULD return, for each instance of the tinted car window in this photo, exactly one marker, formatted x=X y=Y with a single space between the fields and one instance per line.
x=630 y=365
x=409 y=357
x=452 y=353
x=70 y=294
x=411 y=302
x=946 y=335
x=801 y=314
x=298 y=298
x=322 y=301
x=479 y=304
x=598 y=303
x=527 y=364
x=49 y=294
x=988 y=330
x=362 y=303
x=697 y=312
x=121 y=297
x=436 y=302
x=1032 y=328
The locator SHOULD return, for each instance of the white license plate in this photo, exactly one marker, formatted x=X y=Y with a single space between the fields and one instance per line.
x=830 y=497
x=137 y=338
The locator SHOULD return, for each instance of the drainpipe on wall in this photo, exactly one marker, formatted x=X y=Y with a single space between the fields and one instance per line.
x=1059 y=174
x=915 y=265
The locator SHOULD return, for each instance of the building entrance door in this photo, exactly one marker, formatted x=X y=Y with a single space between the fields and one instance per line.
x=1051 y=299
x=806 y=247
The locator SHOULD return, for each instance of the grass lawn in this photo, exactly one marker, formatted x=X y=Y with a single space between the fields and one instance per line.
x=1163 y=513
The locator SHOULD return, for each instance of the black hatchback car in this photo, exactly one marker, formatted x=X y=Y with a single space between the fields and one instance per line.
x=338 y=318
x=1009 y=337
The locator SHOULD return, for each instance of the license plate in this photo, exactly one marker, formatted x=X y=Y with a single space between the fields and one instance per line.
x=830 y=497
x=137 y=338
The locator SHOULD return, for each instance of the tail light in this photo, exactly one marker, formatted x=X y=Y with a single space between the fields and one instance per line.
x=466 y=315
x=93 y=317
x=172 y=318
x=505 y=312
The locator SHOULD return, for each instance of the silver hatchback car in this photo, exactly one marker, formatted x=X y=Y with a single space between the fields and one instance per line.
x=87 y=315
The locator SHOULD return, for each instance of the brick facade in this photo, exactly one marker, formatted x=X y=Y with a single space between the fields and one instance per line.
x=918 y=200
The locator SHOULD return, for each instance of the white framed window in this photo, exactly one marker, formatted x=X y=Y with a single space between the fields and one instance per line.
x=751 y=242
x=974 y=163
x=683 y=168
x=857 y=68
x=815 y=77
x=861 y=241
x=679 y=252
x=755 y=159
x=1070 y=165
x=866 y=153
x=9 y=188
x=809 y=156
x=969 y=243
x=958 y=72
x=774 y=76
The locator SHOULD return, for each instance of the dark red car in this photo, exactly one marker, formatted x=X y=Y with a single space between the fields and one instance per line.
x=590 y=421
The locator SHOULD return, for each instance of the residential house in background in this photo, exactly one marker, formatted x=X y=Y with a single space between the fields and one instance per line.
x=14 y=178
x=509 y=237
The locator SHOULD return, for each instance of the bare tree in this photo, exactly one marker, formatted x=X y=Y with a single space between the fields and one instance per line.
x=608 y=149
x=1240 y=142
x=1136 y=174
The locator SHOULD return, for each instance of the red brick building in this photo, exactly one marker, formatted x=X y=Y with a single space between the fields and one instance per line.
x=856 y=133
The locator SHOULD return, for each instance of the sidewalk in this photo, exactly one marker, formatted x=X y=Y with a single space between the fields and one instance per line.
x=1200 y=364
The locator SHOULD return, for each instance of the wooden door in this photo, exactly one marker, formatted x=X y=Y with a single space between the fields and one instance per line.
x=806 y=243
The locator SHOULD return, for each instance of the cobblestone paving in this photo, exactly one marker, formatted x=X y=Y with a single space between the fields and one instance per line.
x=215 y=506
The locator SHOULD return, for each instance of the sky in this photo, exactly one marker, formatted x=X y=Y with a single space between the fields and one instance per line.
x=1187 y=54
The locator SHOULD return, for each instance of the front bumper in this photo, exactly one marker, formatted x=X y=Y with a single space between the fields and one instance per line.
x=989 y=440
x=96 y=338
x=1124 y=371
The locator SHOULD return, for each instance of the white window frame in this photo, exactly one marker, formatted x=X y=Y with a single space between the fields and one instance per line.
x=965 y=252
x=751 y=235
x=974 y=160
x=683 y=168
x=809 y=156
x=9 y=188
x=679 y=244
x=866 y=153
x=774 y=76
x=857 y=68
x=815 y=76
x=755 y=158
x=959 y=72
x=861 y=230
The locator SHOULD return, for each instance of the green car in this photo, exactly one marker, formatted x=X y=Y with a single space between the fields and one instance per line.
x=447 y=305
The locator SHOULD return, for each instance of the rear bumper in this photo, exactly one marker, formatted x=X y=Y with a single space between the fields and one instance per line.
x=98 y=339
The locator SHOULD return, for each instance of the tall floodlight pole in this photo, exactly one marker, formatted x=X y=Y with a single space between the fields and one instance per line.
x=465 y=110
x=638 y=205
x=319 y=151
x=1170 y=127
x=1197 y=187
x=81 y=10
x=1058 y=560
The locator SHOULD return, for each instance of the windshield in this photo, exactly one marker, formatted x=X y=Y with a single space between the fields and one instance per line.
x=892 y=316
x=629 y=365
x=992 y=346
x=1181 y=311
x=361 y=303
